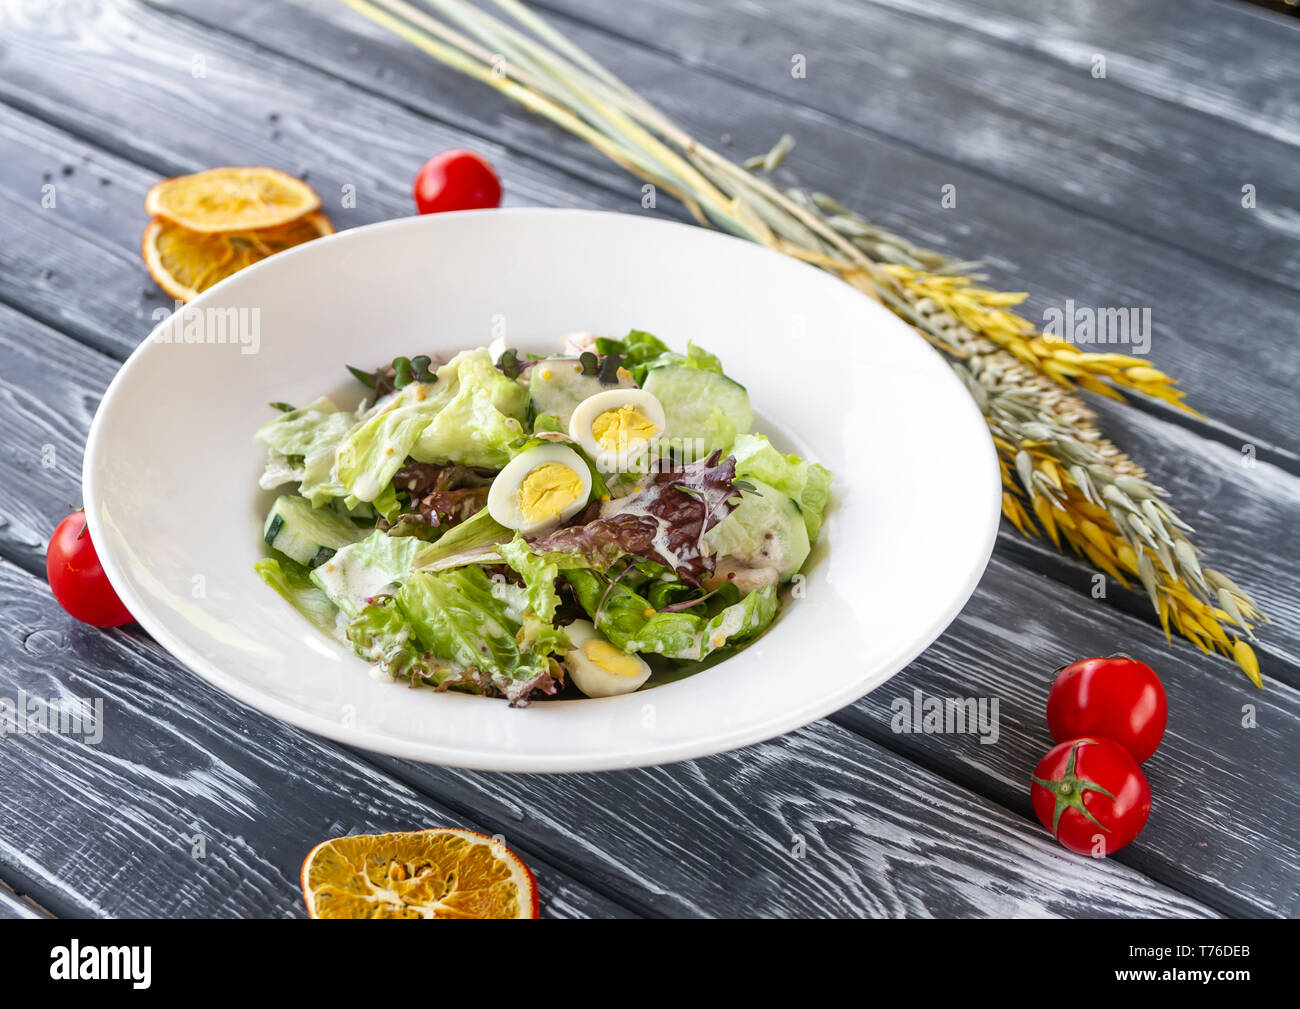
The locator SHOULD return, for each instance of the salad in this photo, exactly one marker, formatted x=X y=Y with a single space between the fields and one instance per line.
x=521 y=526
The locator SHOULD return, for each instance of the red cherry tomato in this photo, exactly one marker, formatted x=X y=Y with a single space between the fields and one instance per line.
x=456 y=180
x=1091 y=794
x=1116 y=698
x=78 y=580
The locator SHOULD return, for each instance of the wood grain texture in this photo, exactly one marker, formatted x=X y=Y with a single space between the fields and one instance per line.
x=882 y=835
x=13 y=906
x=191 y=805
x=1163 y=170
x=714 y=837
x=90 y=239
x=50 y=386
x=1029 y=243
x=1223 y=59
x=1225 y=821
x=816 y=823
x=32 y=497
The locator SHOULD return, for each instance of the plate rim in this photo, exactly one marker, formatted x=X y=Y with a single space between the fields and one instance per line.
x=466 y=757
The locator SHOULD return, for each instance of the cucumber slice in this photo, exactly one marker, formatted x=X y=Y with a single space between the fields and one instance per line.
x=766 y=530
x=701 y=404
x=308 y=535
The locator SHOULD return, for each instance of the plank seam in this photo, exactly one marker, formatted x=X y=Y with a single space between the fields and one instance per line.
x=947 y=159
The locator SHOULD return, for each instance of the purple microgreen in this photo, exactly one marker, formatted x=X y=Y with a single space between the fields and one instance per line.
x=590 y=363
x=420 y=368
x=600 y=606
x=509 y=363
x=609 y=369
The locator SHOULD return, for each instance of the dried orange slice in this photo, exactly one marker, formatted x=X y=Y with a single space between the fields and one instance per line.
x=444 y=873
x=231 y=199
x=185 y=263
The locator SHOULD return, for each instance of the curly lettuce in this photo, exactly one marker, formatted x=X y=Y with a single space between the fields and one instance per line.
x=301 y=445
x=471 y=416
x=456 y=630
x=621 y=615
x=364 y=569
x=478 y=424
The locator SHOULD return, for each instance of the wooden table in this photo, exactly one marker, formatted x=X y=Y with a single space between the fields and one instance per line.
x=1124 y=190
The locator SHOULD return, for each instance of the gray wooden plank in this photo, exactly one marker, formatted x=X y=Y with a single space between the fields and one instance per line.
x=1225 y=821
x=12 y=906
x=1029 y=242
x=48 y=388
x=814 y=823
x=190 y=805
x=715 y=837
x=89 y=239
x=1166 y=171
x=1223 y=59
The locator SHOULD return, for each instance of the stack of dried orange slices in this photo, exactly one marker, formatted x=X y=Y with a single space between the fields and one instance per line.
x=211 y=224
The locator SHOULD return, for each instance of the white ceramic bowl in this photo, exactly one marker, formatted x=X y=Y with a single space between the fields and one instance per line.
x=175 y=512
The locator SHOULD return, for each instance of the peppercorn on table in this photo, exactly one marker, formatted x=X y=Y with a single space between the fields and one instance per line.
x=1113 y=161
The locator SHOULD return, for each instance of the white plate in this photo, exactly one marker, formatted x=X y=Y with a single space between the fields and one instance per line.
x=171 y=472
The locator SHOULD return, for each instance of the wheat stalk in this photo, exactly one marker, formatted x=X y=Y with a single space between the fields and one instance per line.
x=1062 y=477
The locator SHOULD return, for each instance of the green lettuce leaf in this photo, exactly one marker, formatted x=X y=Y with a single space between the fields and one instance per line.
x=364 y=569
x=301 y=445
x=481 y=420
x=638 y=349
x=293 y=581
x=474 y=541
x=382 y=635
x=471 y=415
x=539 y=574
x=642 y=353
x=456 y=617
x=809 y=484
x=377 y=448
x=620 y=614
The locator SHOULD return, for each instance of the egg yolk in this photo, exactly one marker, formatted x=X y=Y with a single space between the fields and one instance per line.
x=611 y=659
x=615 y=430
x=548 y=490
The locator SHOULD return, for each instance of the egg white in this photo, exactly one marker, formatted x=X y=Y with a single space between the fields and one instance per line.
x=592 y=679
x=586 y=412
x=503 y=495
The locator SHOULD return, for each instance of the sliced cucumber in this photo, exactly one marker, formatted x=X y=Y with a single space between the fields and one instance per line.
x=557 y=385
x=308 y=535
x=701 y=404
x=766 y=530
